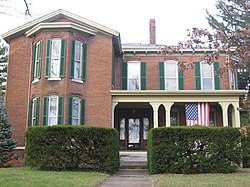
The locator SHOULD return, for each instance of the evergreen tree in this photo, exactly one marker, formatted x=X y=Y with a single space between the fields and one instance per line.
x=6 y=142
x=3 y=65
x=233 y=15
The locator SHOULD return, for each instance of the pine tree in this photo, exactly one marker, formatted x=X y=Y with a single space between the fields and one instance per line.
x=3 y=65
x=7 y=144
x=233 y=15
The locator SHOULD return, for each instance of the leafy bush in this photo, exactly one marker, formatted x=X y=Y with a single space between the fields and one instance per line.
x=72 y=148
x=245 y=131
x=194 y=150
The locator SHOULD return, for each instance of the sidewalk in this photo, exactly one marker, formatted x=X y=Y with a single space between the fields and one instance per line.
x=129 y=178
x=132 y=173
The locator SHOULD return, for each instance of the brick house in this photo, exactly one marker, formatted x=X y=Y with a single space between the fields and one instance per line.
x=65 y=69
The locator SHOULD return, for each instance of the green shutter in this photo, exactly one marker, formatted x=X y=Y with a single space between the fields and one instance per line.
x=197 y=76
x=37 y=111
x=84 y=61
x=60 y=110
x=70 y=111
x=40 y=60
x=48 y=55
x=143 y=76
x=45 y=110
x=124 y=74
x=33 y=61
x=30 y=112
x=181 y=80
x=72 y=59
x=161 y=75
x=216 y=76
x=62 y=60
x=82 y=122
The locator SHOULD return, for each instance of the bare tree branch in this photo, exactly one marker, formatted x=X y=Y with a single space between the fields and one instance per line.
x=27 y=12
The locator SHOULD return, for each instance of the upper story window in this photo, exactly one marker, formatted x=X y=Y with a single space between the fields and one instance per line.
x=169 y=76
x=76 y=111
x=78 y=60
x=55 y=58
x=52 y=110
x=36 y=61
x=207 y=77
x=34 y=112
x=134 y=75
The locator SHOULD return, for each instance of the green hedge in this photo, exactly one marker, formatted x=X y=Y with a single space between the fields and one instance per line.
x=246 y=153
x=72 y=148
x=194 y=150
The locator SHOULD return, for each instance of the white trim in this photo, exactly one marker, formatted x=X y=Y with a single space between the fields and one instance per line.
x=176 y=74
x=56 y=25
x=35 y=80
x=76 y=80
x=56 y=14
x=19 y=148
x=54 y=79
x=212 y=74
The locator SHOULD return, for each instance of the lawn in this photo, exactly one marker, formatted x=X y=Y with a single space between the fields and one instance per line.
x=26 y=177
x=240 y=178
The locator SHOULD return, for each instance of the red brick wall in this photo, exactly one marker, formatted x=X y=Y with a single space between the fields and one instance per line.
x=152 y=69
x=17 y=92
x=95 y=90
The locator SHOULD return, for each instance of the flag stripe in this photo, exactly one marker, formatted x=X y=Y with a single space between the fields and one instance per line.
x=197 y=114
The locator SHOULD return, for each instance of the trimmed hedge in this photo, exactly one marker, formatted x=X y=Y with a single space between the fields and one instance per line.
x=72 y=148
x=246 y=149
x=194 y=150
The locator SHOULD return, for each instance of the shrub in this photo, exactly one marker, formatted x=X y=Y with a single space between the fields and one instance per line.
x=245 y=131
x=194 y=150
x=72 y=148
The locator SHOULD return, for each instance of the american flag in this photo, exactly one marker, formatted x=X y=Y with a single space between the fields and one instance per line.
x=197 y=114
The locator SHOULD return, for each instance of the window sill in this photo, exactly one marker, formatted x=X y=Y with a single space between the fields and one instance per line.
x=54 y=79
x=77 y=80
x=35 y=81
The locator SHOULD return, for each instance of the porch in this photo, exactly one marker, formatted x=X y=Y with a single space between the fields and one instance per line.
x=134 y=113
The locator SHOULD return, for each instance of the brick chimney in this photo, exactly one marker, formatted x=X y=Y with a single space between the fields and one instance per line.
x=152 y=31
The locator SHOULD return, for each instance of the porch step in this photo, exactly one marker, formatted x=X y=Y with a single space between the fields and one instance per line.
x=133 y=160
x=132 y=172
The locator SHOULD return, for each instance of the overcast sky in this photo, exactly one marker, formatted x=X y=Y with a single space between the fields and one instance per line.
x=129 y=17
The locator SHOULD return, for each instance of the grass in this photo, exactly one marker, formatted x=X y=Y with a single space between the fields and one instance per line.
x=26 y=177
x=240 y=178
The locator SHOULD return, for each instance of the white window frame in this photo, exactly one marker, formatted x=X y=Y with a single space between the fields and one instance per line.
x=33 y=115
x=52 y=59
x=78 y=61
x=57 y=106
x=37 y=52
x=204 y=77
x=169 y=77
x=139 y=74
x=78 y=112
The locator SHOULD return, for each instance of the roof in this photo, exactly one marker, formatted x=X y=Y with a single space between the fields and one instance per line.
x=80 y=23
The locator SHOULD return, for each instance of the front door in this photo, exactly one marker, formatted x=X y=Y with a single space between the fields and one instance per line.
x=134 y=132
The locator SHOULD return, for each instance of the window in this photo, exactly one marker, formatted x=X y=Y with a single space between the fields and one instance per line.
x=76 y=111
x=207 y=76
x=169 y=76
x=36 y=60
x=55 y=58
x=34 y=112
x=78 y=60
x=53 y=110
x=134 y=75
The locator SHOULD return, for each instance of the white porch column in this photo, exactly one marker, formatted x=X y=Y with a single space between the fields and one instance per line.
x=236 y=115
x=168 y=106
x=113 y=113
x=224 y=106
x=155 y=109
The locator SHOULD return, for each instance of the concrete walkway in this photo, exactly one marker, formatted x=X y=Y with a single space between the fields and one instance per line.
x=132 y=172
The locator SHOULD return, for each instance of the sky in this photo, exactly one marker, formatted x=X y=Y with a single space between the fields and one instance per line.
x=129 y=17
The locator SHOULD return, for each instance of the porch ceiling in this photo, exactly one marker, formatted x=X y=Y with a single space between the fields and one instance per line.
x=177 y=96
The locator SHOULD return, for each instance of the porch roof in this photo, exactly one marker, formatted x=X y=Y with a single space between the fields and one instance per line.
x=177 y=95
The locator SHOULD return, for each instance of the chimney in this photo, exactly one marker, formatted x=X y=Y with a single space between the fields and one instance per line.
x=152 y=31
